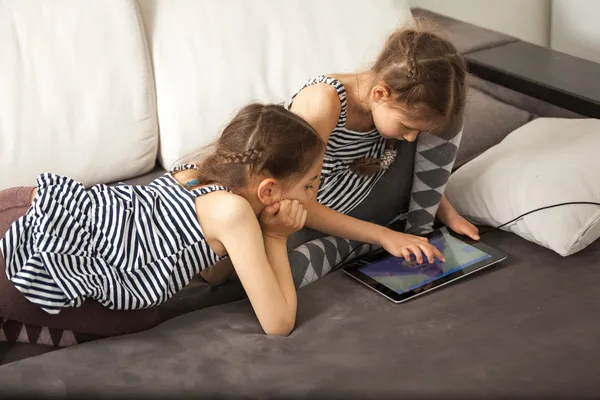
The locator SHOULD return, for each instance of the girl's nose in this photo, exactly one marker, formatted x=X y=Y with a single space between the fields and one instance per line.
x=411 y=136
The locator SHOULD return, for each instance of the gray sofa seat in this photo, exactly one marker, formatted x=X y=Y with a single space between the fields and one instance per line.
x=510 y=331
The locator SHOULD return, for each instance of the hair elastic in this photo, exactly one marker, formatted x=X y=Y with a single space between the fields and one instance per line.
x=389 y=156
x=191 y=183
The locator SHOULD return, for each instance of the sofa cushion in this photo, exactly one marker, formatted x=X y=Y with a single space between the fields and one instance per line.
x=548 y=161
x=77 y=95
x=212 y=57
x=522 y=101
x=487 y=121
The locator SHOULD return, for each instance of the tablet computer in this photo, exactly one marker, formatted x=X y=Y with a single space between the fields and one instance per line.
x=399 y=279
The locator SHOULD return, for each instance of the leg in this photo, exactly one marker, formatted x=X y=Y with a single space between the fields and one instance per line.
x=302 y=236
x=14 y=203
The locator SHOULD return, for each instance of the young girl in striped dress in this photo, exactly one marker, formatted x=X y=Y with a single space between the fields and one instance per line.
x=417 y=84
x=132 y=247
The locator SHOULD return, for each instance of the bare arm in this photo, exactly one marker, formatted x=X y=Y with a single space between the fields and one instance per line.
x=320 y=106
x=277 y=254
x=448 y=215
x=446 y=211
x=326 y=220
x=261 y=265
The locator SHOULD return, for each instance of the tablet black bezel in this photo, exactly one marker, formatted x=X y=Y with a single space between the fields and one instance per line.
x=353 y=268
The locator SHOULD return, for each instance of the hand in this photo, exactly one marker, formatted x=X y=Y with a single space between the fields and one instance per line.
x=403 y=245
x=279 y=220
x=463 y=227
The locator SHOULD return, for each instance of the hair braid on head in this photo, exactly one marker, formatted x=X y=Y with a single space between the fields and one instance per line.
x=411 y=73
x=250 y=156
x=411 y=63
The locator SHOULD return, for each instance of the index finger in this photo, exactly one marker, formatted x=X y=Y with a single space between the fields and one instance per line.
x=299 y=213
x=284 y=206
x=429 y=253
x=438 y=253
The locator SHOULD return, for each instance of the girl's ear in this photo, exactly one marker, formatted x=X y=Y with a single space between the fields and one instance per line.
x=269 y=191
x=380 y=93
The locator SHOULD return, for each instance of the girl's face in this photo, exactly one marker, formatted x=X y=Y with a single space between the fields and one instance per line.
x=306 y=189
x=393 y=123
x=271 y=191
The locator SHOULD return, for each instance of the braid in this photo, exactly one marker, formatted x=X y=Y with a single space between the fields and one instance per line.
x=411 y=59
x=250 y=156
x=411 y=73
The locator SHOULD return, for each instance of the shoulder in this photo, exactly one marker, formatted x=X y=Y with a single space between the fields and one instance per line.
x=318 y=99
x=320 y=106
x=223 y=210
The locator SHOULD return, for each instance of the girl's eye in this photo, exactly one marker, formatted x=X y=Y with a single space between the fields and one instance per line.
x=308 y=187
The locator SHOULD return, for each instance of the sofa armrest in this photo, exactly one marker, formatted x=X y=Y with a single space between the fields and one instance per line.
x=557 y=78
x=465 y=36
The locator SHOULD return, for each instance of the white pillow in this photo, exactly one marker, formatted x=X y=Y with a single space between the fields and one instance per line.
x=76 y=92
x=212 y=57
x=545 y=162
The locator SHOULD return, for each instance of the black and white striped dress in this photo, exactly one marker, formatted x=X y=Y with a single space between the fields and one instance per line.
x=127 y=247
x=340 y=188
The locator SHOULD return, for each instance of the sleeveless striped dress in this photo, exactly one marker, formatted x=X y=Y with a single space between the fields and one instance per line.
x=127 y=247
x=340 y=188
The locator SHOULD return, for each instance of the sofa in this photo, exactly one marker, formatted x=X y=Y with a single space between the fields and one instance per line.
x=157 y=78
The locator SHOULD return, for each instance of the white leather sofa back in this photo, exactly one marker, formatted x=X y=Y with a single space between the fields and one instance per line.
x=78 y=78
x=76 y=91
x=211 y=57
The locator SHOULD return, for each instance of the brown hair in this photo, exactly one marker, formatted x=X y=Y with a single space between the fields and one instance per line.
x=424 y=73
x=259 y=138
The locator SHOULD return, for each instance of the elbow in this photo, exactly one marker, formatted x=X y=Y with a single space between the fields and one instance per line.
x=283 y=327
x=210 y=278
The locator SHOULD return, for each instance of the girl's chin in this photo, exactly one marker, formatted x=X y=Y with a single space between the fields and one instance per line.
x=390 y=136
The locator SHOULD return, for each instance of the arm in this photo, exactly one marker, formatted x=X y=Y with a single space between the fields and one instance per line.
x=398 y=244
x=277 y=254
x=320 y=106
x=448 y=216
x=261 y=264
x=446 y=211
x=326 y=220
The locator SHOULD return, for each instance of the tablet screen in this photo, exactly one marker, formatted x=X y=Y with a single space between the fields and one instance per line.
x=401 y=275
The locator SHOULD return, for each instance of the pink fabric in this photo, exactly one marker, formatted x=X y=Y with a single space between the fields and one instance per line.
x=91 y=318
